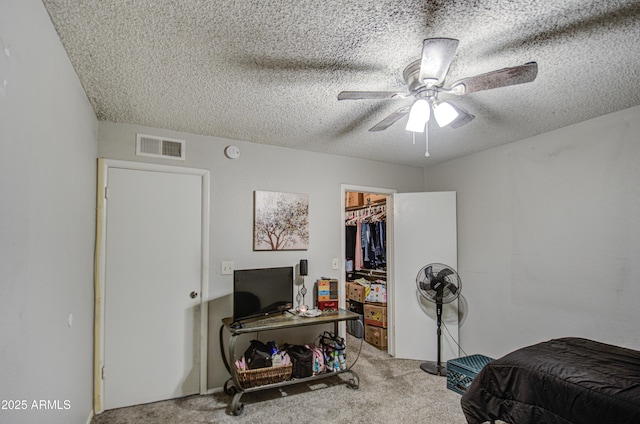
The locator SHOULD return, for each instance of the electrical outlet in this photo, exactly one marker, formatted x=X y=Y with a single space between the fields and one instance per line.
x=226 y=268
x=335 y=264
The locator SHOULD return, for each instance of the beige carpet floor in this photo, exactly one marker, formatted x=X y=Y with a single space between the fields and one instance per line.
x=391 y=391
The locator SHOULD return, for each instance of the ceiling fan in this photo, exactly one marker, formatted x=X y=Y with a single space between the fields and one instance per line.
x=425 y=82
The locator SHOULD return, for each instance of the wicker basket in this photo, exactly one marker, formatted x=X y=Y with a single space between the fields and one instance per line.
x=262 y=376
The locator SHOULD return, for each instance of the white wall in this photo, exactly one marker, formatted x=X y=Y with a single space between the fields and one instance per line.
x=549 y=236
x=270 y=168
x=48 y=147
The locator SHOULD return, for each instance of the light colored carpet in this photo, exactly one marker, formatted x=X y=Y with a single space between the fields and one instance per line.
x=391 y=391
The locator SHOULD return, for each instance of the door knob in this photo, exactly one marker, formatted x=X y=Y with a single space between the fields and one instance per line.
x=193 y=294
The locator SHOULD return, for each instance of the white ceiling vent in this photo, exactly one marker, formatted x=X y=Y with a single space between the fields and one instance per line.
x=160 y=147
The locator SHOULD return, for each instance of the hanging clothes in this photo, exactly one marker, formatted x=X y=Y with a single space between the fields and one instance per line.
x=369 y=241
x=350 y=241
x=358 y=262
x=365 y=233
x=380 y=244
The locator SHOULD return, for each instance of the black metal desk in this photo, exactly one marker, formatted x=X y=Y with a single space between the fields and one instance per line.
x=233 y=388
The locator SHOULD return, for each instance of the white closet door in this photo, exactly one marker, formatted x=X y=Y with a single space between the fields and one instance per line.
x=153 y=264
x=421 y=230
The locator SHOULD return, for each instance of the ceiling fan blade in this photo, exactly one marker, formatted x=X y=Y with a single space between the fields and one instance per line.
x=437 y=54
x=391 y=119
x=495 y=79
x=363 y=95
x=463 y=118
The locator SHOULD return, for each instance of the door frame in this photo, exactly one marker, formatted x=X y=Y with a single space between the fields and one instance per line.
x=342 y=302
x=100 y=267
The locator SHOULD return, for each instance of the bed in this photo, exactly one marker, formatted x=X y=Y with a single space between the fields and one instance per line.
x=561 y=381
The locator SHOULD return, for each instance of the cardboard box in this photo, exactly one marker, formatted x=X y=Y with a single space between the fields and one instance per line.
x=370 y=198
x=355 y=292
x=377 y=336
x=377 y=293
x=375 y=315
x=354 y=199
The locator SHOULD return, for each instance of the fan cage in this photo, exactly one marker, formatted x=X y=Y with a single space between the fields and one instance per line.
x=429 y=293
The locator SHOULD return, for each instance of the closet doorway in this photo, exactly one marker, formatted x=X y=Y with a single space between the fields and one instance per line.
x=365 y=262
x=421 y=229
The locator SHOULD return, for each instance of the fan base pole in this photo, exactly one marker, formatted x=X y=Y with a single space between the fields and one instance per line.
x=434 y=368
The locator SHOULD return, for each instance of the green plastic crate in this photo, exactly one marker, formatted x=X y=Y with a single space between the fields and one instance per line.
x=462 y=371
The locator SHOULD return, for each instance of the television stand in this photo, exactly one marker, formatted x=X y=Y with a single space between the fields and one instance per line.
x=277 y=322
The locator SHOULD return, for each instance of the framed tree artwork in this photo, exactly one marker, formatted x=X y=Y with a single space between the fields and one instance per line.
x=281 y=221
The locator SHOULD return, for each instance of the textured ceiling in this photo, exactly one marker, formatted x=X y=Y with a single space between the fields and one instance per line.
x=270 y=71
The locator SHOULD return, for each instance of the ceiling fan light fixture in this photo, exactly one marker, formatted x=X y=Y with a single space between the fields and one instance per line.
x=425 y=81
x=418 y=116
x=445 y=113
x=458 y=89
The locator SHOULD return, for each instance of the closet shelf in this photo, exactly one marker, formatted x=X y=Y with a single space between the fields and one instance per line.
x=363 y=207
x=371 y=273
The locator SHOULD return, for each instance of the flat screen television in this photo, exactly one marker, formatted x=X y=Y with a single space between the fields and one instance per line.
x=260 y=292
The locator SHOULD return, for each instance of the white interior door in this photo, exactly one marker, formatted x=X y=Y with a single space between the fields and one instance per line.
x=153 y=263
x=421 y=230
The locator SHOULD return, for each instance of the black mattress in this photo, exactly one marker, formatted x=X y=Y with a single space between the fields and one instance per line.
x=568 y=380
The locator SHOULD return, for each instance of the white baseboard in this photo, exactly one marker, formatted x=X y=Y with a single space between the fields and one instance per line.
x=212 y=391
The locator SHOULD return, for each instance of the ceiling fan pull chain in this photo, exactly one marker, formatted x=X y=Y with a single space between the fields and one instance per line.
x=426 y=142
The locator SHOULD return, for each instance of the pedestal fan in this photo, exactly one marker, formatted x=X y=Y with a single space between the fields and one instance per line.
x=440 y=284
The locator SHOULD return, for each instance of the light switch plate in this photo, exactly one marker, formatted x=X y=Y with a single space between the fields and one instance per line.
x=226 y=267
x=335 y=264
